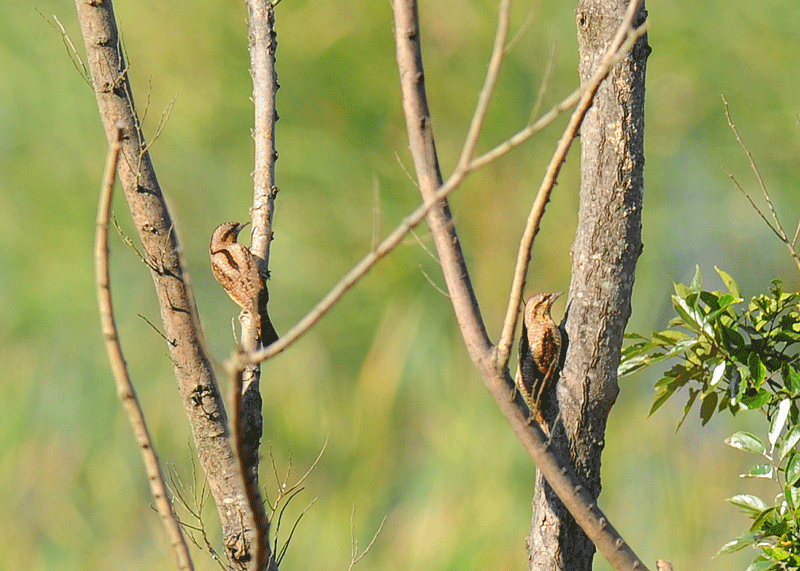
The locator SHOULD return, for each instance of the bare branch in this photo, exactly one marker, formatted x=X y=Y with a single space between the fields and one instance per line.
x=289 y=493
x=355 y=556
x=125 y=390
x=548 y=73
x=74 y=56
x=523 y=29
x=753 y=204
x=778 y=228
x=489 y=83
x=406 y=225
x=754 y=167
x=256 y=516
x=263 y=43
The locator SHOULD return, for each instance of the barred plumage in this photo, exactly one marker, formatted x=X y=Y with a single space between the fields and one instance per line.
x=236 y=269
x=539 y=352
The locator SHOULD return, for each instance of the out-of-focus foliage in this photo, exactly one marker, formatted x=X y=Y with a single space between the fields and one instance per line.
x=412 y=433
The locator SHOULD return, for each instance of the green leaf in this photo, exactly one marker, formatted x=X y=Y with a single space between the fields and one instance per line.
x=738 y=381
x=728 y=300
x=711 y=299
x=792 y=495
x=729 y=282
x=759 y=471
x=756 y=401
x=634 y=335
x=717 y=373
x=747 y=442
x=708 y=406
x=697 y=281
x=670 y=336
x=692 y=397
x=731 y=338
x=792 y=473
x=778 y=554
x=791 y=379
x=760 y=564
x=735 y=385
x=744 y=540
x=778 y=421
x=783 y=336
x=685 y=312
x=661 y=397
x=749 y=504
x=764 y=521
x=757 y=369
x=681 y=290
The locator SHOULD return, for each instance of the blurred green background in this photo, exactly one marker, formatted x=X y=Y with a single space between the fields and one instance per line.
x=413 y=435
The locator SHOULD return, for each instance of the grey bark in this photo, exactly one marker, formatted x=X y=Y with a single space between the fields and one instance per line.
x=604 y=254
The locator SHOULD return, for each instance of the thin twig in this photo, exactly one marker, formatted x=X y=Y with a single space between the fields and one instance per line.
x=125 y=389
x=376 y=210
x=523 y=29
x=489 y=83
x=285 y=546
x=753 y=204
x=74 y=56
x=548 y=74
x=355 y=556
x=754 y=167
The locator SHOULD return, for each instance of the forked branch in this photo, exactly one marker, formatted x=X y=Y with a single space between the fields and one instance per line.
x=192 y=365
x=791 y=245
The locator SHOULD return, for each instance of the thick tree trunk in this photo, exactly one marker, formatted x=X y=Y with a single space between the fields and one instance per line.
x=604 y=254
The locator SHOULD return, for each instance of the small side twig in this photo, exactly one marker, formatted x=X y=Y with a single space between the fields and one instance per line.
x=194 y=504
x=74 y=56
x=125 y=389
x=355 y=556
x=286 y=493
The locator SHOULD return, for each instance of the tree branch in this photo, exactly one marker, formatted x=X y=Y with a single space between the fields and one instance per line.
x=125 y=390
x=778 y=228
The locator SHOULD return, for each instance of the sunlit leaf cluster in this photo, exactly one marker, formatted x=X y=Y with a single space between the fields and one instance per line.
x=739 y=355
x=730 y=354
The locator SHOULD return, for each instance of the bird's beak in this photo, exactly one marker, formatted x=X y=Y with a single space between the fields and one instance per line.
x=240 y=227
x=555 y=296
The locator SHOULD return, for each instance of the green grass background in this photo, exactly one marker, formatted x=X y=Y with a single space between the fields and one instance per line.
x=413 y=435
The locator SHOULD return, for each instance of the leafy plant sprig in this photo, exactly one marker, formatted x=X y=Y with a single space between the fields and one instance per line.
x=730 y=356
x=739 y=357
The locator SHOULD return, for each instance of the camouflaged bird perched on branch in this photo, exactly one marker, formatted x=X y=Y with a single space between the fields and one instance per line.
x=236 y=269
x=539 y=353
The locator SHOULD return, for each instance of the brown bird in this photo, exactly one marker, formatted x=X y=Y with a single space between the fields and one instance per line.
x=236 y=269
x=539 y=351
